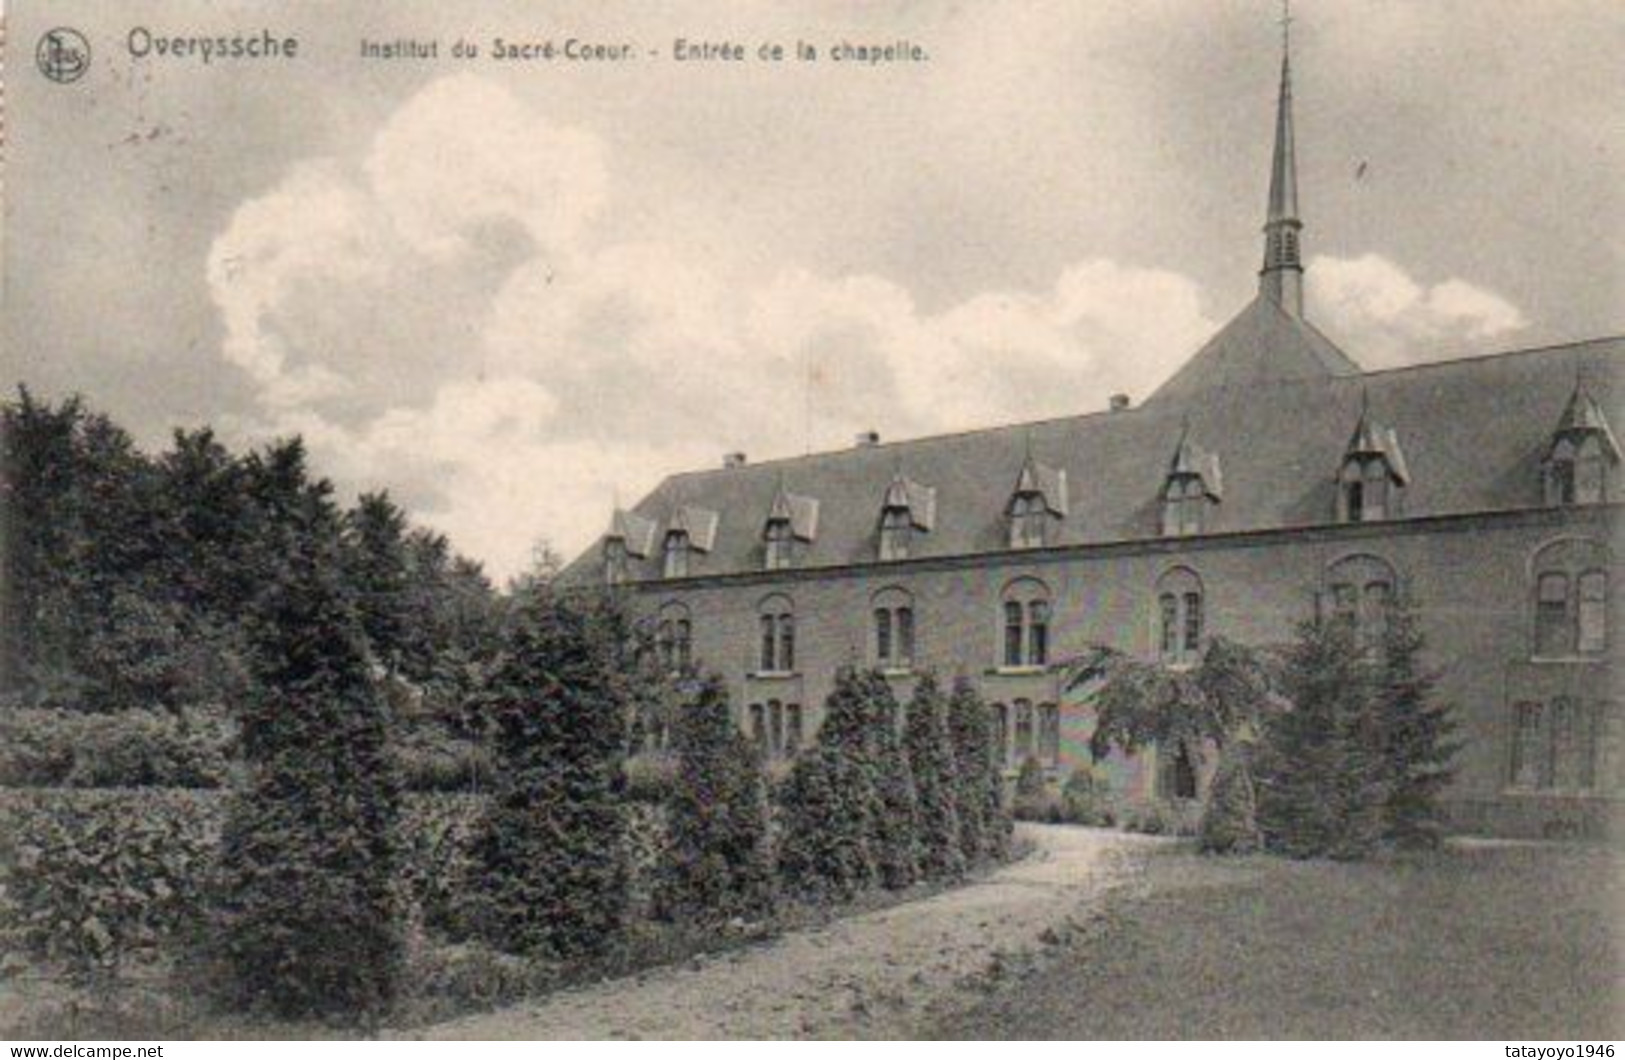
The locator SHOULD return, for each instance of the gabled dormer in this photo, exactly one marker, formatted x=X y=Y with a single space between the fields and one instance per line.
x=630 y=537
x=1372 y=479
x=908 y=508
x=1582 y=455
x=792 y=525
x=690 y=530
x=1191 y=488
x=1037 y=505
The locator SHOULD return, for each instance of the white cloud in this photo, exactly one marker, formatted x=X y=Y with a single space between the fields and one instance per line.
x=440 y=315
x=1385 y=318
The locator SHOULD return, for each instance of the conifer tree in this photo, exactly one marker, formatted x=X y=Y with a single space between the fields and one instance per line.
x=551 y=845
x=830 y=801
x=1417 y=730
x=984 y=823
x=718 y=862
x=310 y=920
x=895 y=827
x=931 y=762
x=1321 y=785
x=375 y=566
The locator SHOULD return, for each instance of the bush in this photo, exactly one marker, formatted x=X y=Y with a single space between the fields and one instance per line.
x=552 y=845
x=717 y=862
x=430 y=759
x=1033 y=799
x=1230 y=821
x=931 y=762
x=1086 y=798
x=129 y=749
x=439 y=878
x=93 y=880
x=1162 y=817
x=651 y=777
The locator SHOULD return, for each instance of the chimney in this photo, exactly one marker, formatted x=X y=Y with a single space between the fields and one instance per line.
x=866 y=439
x=1119 y=402
x=733 y=460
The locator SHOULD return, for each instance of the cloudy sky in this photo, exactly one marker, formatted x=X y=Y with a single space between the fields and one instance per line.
x=511 y=292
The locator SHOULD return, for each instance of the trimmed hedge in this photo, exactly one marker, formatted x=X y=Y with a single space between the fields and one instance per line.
x=92 y=879
x=128 y=749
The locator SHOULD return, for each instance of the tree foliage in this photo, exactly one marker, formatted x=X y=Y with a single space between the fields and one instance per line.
x=1418 y=748
x=894 y=830
x=718 y=864
x=551 y=848
x=830 y=801
x=310 y=920
x=984 y=823
x=932 y=765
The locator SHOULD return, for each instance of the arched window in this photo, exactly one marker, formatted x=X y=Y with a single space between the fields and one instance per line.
x=674 y=637
x=1024 y=638
x=893 y=611
x=675 y=554
x=1570 y=588
x=1180 y=616
x=1361 y=591
x=776 y=623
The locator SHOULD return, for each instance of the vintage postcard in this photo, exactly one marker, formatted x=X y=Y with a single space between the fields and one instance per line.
x=1005 y=519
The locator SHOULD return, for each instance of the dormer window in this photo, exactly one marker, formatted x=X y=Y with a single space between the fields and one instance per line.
x=630 y=537
x=1037 y=505
x=1582 y=453
x=1191 y=488
x=676 y=555
x=1371 y=482
x=792 y=523
x=615 y=562
x=780 y=545
x=908 y=508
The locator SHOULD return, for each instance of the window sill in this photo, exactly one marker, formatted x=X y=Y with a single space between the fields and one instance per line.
x=1568 y=660
x=1553 y=793
x=896 y=671
x=773 y=675
x=1016 y=671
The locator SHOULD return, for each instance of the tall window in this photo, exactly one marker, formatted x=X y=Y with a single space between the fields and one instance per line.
x=896 y=533
x=758 y=727
x=1001 y=734
x=1024 y=748
x=1049 y=734
x=1554 y=744
x=1570 y=599
x=776 y=623
x=780 y=545
x=893 y=629
x=674 y=635
x=1361 y=589
x=1176 y=773
x=1029 y=516
x=1025 y=620
x=792 y=728
x=1180 y=617
x=676 y=555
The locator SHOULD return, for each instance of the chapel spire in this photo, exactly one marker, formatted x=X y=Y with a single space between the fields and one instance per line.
x=1281 y=278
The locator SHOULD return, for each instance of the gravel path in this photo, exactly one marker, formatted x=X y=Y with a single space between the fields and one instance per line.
x=879 y=975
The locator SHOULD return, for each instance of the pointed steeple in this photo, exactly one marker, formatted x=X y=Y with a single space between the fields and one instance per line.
x=1281 y=278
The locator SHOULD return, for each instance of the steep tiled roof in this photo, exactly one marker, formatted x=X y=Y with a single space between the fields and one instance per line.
x=1475 y=432
x=1262 y=344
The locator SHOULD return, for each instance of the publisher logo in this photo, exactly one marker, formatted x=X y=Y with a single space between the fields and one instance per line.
x=63 y=55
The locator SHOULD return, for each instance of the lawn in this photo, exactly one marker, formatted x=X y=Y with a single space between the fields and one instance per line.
x=1481 y=940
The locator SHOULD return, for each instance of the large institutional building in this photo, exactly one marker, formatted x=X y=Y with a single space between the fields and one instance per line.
x=1269 y=476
